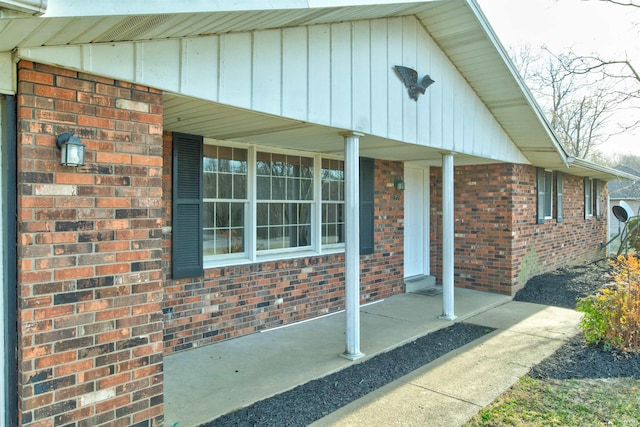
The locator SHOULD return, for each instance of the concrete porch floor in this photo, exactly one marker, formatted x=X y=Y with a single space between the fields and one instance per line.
x=205 y=383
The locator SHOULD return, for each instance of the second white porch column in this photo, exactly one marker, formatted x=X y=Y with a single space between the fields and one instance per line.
x=448 y=218
x=352 y=243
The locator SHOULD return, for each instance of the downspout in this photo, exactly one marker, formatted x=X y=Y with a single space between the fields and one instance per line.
x=8 y=189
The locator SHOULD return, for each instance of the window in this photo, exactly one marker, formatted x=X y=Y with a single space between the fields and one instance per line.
x=332 y=201
x=588 y=197
x=284 y=201
x=225 y=199
x=236 y=203
x=591 y=198
x=545 y=194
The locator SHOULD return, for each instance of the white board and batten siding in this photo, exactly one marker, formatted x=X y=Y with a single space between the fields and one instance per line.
x=339 y=75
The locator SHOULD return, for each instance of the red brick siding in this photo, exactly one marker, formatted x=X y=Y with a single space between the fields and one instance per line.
x=499 y=245
x=232 y=301
x=89 y=251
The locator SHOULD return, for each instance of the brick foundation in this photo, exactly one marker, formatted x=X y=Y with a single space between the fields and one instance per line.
x=498 y=243
x=232 y=301
x=89 y=252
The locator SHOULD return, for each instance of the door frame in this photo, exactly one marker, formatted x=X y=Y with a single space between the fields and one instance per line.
x=421 y=194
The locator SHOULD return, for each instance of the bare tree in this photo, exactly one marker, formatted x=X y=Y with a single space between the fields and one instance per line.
x=579 y=106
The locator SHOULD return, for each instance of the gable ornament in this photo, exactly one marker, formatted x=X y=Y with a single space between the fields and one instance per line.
x=409 y=77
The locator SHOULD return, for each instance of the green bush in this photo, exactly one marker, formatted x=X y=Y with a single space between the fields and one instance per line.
x=612 y=316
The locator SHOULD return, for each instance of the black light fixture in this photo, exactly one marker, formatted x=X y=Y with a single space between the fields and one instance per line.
x=399 y=184
x=71 y=149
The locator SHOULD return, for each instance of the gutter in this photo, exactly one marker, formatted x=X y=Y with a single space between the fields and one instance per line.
x=31 y=7
x=595 y=169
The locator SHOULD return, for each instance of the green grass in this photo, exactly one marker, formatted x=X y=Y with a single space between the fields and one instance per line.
x=588 y=402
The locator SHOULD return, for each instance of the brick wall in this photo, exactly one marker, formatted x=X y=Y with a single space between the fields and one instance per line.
x=498 y=243
x=89 y=252
x=232 y=301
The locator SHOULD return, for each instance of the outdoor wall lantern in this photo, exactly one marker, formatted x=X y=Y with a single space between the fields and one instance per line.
x=399 y=184
x=71 y=149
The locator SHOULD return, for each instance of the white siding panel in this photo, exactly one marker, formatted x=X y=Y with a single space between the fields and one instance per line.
x=338 y=75
x=423 y=122
x=341 y=75
x=361 y=76
x=267 y=71
x=381 y=75
x=295 y=74
x=117 y=60
x=437 y=102
x=397 y=91
x=235 y=69
x=158 y=62
x=199 y=67
x=410 y=59
x=319 y=73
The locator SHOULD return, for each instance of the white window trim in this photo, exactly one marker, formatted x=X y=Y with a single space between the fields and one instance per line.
x=548 y=197
x=251 y=254
x=588 y=203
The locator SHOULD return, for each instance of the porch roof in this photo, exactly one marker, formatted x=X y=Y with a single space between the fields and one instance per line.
x=457 y=26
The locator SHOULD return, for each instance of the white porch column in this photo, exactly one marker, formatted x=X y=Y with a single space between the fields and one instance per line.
x=352 y=243
x=448 y=218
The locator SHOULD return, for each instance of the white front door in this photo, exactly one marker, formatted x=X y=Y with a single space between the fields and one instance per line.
x=416 y=221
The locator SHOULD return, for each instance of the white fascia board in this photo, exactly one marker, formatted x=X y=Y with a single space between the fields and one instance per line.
x=595 y=170
x=34 y=7
x=7 y=74
x=342 y=3
x=79 y=8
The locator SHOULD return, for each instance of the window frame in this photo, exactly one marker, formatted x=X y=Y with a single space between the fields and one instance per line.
x=588 y=197
x=545 y=191
x=251 y=253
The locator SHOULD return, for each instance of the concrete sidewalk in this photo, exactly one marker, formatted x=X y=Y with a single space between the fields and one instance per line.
x=452 y=389
x=205 y=383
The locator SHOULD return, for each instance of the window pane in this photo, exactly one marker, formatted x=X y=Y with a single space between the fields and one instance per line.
x=224 y=186
x=239 y=186
x=293 y=189
x=222 y=215
x=264 y=188
x=209 y=183
x=306 y=189
x=278 y=188
x=237 y=214
x=548 y=193
x=208 y=215
x=237 y=240
x=262 y=214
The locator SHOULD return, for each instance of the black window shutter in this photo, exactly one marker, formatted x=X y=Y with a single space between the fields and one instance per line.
x=186 y=218
x=366 y=206
x=596 y=198
x=540 y=193
x=559 y=191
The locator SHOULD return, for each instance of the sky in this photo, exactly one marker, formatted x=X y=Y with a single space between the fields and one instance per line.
x=584 y=26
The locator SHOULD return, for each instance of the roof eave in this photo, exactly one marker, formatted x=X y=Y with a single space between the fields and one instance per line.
x=585 y=168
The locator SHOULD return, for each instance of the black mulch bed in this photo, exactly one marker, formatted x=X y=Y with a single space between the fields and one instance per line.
x=311 y=401
x=576 y=359
x=315 y=399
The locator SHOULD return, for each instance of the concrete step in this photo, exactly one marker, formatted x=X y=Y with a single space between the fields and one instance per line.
x=421 y=284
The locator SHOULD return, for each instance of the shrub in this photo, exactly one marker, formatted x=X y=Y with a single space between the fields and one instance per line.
x=612 y=316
